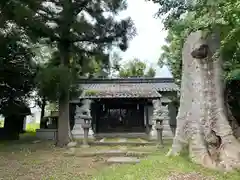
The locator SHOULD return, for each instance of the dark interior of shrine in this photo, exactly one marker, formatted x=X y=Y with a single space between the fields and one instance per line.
x=119 y=115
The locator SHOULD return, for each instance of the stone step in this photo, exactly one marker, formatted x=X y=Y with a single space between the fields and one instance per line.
x=166 y=127
x=122 y=143
x=105 y=153
x=120 y=135
x=123 y=160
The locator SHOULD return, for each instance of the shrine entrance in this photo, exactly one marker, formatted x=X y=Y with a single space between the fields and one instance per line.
x=119 y=116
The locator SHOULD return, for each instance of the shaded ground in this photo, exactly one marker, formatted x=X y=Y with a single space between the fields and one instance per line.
x=44 y=161
x=24 y=160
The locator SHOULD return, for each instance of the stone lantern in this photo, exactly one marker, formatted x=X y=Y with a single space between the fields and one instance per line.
x=160 y=114
x=159 y=124
x=156 y=115
x=82 y=127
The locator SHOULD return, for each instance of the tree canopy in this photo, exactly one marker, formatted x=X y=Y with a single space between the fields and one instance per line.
x=80 y=34
x=183 y=17
x=136 y=68
x=17 y=69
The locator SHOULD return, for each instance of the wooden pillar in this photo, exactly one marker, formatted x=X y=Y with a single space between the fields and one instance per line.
x=147 y=121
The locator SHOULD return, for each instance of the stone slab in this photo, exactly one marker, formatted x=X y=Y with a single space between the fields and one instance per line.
x=123 y=160
x=102 y=140
x=105 y=153
x=123 y=143
x=72 y=144
x=122 y=140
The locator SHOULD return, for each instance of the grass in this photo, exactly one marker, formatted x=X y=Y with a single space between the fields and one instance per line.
x=27 y=160
x=159 y=167
x=1 y=123
x=31 y=127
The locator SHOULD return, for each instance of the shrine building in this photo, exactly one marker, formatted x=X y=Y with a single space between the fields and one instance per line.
x=123 y=106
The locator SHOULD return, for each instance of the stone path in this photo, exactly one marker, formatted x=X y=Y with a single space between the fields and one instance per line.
x=118 y=150
x=123 y=160
x=102 y=140
x=106 y=153
x=122 y=140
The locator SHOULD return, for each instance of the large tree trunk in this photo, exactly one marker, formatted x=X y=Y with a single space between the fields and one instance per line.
x=63 y=137
x=63 y=122
x=43 y=105
x=64 y=133
x=11 y=128
x=202 y=122
x=64 y=46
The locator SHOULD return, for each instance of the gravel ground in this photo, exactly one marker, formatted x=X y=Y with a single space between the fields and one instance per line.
x=189 y=176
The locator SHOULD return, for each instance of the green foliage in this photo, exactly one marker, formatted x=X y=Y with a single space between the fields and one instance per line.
x=1 y=123
x=53 y=106
x=91 y=92
x=53 y=80
x=32 y=127
x=16 y=68
x=151 y=72
x=80 y=45
x=136 y=68
x=182 y=17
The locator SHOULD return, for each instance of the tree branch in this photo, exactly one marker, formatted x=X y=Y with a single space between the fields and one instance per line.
x=79 y=6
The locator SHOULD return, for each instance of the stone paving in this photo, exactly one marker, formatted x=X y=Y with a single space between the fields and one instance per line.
x=121 y=140
x=123 y=160
x=121 y=150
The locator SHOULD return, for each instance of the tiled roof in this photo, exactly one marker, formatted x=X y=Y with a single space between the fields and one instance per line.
x=119 y=91
x=126 y=87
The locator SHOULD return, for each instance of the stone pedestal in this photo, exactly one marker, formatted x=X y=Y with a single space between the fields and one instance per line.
x=86 y=126
x=157 y=125
x=159 y=128
x=78 y=131
x=160 y=115
x=153 y=132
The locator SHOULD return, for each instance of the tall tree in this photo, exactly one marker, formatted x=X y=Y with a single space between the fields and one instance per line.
x=151 y=72
x=202 y=117
x=136 y=68
x=180 y=28
x=17 y=70
x=80 y=30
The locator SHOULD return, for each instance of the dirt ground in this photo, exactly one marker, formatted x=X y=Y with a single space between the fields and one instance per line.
x=44 y=161
x=28 y=159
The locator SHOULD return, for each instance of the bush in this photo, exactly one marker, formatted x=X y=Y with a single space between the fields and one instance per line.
x=31 y=127
x=1 y=123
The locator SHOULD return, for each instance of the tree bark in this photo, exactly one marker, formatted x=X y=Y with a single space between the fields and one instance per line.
x=63 y=122
x=11 y=128
x=63 y=119
x=64 y=46
x=202 y=122
x=43 y=108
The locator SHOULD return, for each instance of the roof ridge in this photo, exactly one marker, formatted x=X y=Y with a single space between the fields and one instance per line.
x=125 y=80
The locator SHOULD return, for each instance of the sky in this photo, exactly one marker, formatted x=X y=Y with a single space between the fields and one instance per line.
x=150 y=35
